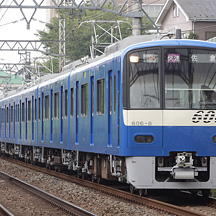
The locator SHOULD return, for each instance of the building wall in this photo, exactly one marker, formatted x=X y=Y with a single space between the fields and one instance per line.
x=50 y=13
x=205 y=30
x=152 y=10
x=170 y=23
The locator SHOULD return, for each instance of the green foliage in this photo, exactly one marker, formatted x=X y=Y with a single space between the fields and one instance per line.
x=213 y=193
x=146 y=25
x=193 y=35
x=78 y=37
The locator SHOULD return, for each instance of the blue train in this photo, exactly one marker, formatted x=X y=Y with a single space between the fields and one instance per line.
x=143 y=113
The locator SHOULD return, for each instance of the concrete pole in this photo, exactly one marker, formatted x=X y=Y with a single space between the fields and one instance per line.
x=137 y=21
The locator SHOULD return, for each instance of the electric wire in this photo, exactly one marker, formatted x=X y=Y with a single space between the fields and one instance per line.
x=6 y=11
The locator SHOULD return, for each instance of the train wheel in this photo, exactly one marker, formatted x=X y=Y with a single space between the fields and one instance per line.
x=48 y=166
x=205 y=193
x=84 y=176
x=78 y=174
x=93 y=178
x=132 y=189
x=145 y=192
x=99 y=180
x=140 y=192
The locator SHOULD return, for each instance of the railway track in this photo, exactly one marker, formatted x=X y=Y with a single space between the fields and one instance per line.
x=4 y=211
x=162 y=206
x=53 y=200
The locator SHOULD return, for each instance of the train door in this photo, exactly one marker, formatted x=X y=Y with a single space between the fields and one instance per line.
x=9 y=121
x=110 y=109
x=14 y=120
x=77 y=114
x=42 y=116
x=32 y=117
x=92 y=111
x=61 y=115
x=51 y=115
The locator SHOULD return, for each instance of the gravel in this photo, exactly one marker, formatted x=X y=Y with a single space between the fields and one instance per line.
x=88 y=199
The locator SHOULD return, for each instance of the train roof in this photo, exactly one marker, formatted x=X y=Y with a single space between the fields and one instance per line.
x=121 y=47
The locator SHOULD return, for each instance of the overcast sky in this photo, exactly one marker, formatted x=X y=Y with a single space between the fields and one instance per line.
x=18 y=30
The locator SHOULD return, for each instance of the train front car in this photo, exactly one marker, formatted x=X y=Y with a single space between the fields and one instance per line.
x=169 y=115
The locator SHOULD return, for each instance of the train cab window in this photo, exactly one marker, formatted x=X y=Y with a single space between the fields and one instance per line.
x=66 y=103
x=23 y=111
x=7 y=119
x=100 y=96
x=72 y=102
x=29 y=110
x=190 y=78
x=56 y=105
x=84 y=100
x=11 y=114
x=47 y=107
x=143 y=80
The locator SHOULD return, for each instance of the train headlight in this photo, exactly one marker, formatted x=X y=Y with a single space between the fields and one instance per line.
x=214 y=139
x=143 y=138
x=134 y=59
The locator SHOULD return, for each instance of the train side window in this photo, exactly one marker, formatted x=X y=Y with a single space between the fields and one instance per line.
x=84 y=100
x=18 y=114
x=11 y=114
x=1 y=115
x=56 y=105
x=47 y=114
x=35 y=109
x=72 y=102
x=39 y=108
x=7 y=115
x=66 y=103
x=115 y=87
x=29 y=110
x=42 y=106
x=23 y=111
x=100 y=96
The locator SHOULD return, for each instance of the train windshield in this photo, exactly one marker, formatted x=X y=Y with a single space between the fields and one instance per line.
x=190 y=78
x=144 y=80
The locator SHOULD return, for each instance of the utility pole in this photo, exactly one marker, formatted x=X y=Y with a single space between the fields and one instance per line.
x=61 y=44
x=137 y=19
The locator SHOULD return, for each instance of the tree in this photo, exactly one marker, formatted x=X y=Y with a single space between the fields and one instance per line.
x=193 y=35
x=78 y=38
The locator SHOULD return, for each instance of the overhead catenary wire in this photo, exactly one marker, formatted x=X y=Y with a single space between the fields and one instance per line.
x=6 y=11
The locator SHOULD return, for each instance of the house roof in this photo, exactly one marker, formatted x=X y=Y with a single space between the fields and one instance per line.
x=198 y=10
x=150 y=2
x=14 y=79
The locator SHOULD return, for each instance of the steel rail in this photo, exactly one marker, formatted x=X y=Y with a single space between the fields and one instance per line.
x=4 y=211
x=166 y=207
x=60 y=203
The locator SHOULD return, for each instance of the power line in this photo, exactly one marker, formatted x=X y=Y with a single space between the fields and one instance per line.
x=6 y=10
x=13 y=22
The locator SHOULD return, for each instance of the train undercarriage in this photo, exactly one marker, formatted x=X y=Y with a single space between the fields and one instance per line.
x=177 y=171
x=97 y=166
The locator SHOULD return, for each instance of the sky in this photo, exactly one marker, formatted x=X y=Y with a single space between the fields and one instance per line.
x=18 y=30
